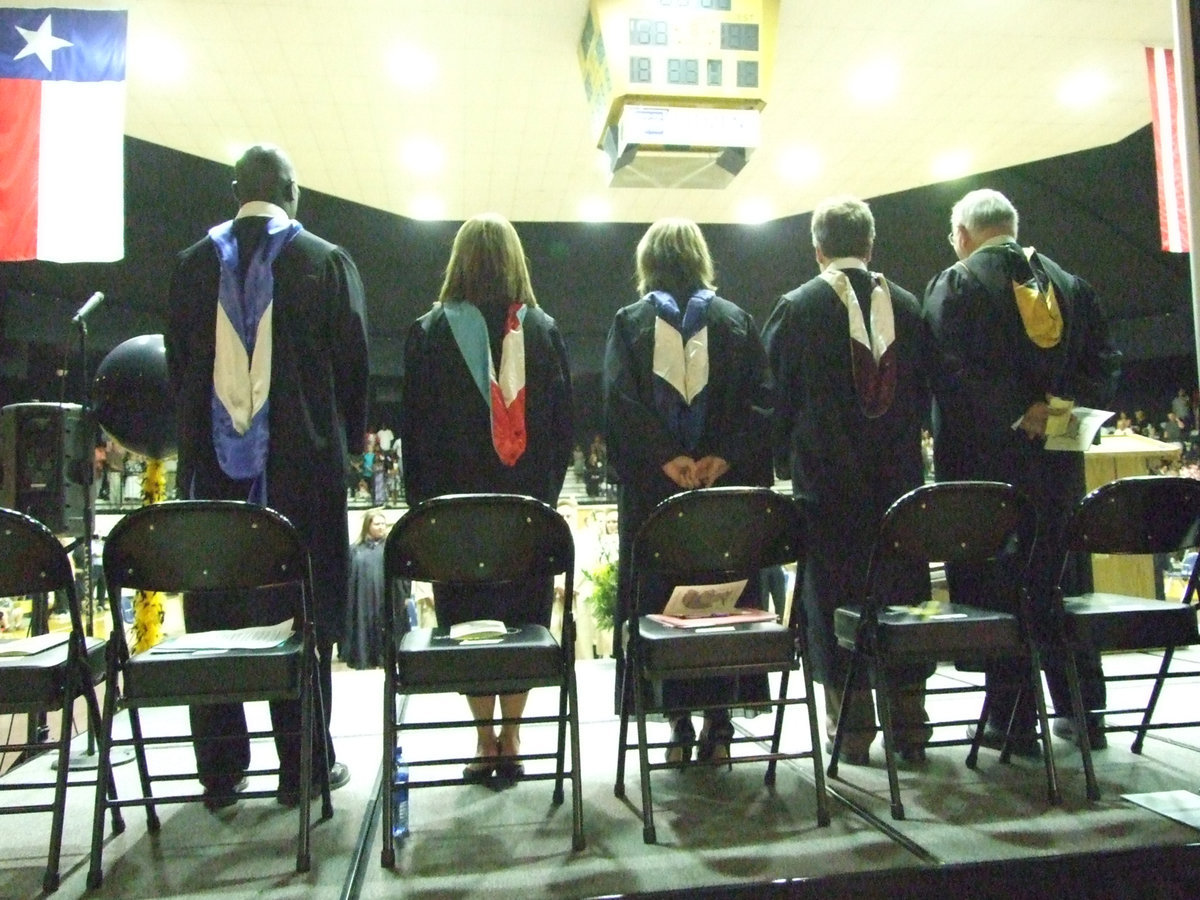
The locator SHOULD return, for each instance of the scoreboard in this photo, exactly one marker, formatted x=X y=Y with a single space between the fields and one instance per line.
x=715 y=54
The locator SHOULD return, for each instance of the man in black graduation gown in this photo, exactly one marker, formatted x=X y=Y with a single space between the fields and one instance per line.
x=847 y=353
x=1014 y=329
x=283 y=444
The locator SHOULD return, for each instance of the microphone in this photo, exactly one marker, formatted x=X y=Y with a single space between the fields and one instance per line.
x=86 y=310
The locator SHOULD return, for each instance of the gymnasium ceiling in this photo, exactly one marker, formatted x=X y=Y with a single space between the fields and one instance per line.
x=868 y=97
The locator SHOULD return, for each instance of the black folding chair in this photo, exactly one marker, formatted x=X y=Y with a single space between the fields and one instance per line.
x=221 y=552
x=480 y=540
x=53 y=674
x=1143 y=515
x=950 y=522
x=711 y=536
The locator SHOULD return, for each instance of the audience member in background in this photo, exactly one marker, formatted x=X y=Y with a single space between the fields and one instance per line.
x=282 y=441
x=1014 y=330
x=487 y=408
x=849 y=355
x=686 y=406
x=361 y=646
x=1181 y=405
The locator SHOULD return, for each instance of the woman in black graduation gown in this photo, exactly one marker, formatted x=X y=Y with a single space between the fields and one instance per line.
x=486 y=407
x=685 y=397
x=362 y=646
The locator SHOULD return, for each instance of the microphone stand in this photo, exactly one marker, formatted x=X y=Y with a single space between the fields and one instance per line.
x=88 y=758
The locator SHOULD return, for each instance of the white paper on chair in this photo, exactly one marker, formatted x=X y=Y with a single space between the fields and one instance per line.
x=31 y=645
x=693 y=600
x=1182 y=806
x=259 y=637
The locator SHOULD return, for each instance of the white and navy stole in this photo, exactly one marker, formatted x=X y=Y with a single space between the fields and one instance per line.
x=503 y=391
x=242 y=362
x=872 y=358
x=681 y=364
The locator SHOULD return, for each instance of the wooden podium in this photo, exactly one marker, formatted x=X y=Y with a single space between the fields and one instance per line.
x=1119 y=456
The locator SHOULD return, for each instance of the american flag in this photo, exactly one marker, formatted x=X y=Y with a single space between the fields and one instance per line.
x=1168 y=149
x=62 y=128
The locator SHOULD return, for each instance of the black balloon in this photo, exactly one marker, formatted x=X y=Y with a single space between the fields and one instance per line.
x=132 y=399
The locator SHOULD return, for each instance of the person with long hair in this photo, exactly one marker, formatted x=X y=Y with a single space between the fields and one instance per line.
x=362 y=647
x=486 y=407
x=686 y=403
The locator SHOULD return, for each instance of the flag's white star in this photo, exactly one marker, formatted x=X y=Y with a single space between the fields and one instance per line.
x=41 y=43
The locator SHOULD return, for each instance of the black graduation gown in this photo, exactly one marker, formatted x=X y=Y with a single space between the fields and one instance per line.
x=846 y=468
x=446 y=438
x=318 y=409
x=362 y=644
x=318 y=395
x=638 y=442
x=989 y=372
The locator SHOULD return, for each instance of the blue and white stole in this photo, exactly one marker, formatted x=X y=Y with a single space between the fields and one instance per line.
x=681 y=364
x=242 y=362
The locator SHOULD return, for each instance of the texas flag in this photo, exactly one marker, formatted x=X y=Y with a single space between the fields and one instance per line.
x=62 y=124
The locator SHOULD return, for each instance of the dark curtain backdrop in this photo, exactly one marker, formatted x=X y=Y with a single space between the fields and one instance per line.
x=1095 y=212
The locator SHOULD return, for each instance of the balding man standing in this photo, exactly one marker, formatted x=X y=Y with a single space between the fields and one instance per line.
x=1014 y=329
x=262 y=274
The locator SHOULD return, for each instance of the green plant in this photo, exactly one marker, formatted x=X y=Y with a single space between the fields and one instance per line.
x=602 y=601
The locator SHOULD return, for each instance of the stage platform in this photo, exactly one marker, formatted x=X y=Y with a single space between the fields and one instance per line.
x=983 y=833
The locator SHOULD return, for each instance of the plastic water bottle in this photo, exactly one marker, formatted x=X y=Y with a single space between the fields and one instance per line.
x=399 y=796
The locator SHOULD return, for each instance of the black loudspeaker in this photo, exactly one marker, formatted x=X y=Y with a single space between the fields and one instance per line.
x=46 y=454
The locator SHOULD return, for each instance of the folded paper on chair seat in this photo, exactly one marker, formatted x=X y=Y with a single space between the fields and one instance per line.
x=731 y=618
x=691 y=600
x=259 y=637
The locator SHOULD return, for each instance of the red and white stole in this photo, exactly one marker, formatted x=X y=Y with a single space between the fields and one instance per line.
x=503 y=391
x=871 y=357
x=508 y=390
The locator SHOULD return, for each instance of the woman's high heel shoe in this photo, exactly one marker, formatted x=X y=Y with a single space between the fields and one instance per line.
x=683 y=737
x=715 y=738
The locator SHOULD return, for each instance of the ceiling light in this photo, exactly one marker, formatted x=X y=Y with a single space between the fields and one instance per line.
x=412 y=68
x=799 y=164
x=754 y=211
x=875 y=82
x=428 y=207
x=422 y=156
x=595 y=209
x=950 y=165
x=1081 y=90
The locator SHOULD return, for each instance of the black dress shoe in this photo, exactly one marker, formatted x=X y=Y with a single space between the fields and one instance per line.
x=1065 y=728
x=339 y=776
x=914 y=755
x=289 y=795
x=221 y=795
x=1019 y=744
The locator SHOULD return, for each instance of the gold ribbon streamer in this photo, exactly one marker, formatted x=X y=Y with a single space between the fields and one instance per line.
x=148 y=605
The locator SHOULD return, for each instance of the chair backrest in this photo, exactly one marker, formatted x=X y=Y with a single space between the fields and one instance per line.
x=32 y=560
x=957 y=521
x=721 y=533
x=479 y=539
x=1143 y=514
x=204 y=545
